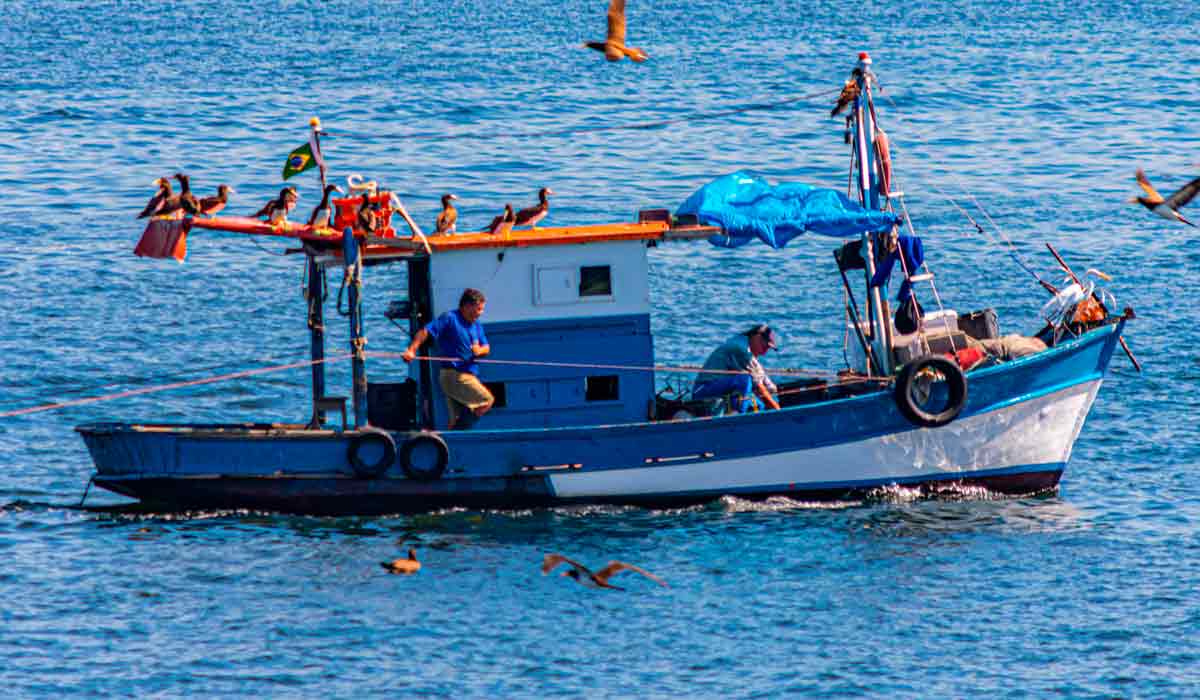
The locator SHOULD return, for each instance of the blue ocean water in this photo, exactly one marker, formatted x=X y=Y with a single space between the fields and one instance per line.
x=1032 y=116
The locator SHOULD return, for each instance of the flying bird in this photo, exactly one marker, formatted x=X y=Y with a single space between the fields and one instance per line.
x=276 y=210
x=597 y=579
x=1166 y=208
x=209 y=206
x=403 y=566
x=502 y=225
x=532 y=215
x=159 y=199
x=321 y=214
x=613 y=47
x=849 y=94
x=447 y=221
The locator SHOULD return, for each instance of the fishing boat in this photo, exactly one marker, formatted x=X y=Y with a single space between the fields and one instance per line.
x=579 y=416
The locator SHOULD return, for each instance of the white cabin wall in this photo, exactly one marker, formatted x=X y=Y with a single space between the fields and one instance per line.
x=506 y=277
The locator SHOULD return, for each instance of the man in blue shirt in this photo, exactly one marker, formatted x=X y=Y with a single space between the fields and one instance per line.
x=738 y=374
x=459 y=338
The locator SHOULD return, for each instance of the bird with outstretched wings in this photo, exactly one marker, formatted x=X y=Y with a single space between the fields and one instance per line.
x=1168 y=207
x=595 y=579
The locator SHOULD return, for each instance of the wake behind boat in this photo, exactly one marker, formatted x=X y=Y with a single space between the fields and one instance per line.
x=578 y=417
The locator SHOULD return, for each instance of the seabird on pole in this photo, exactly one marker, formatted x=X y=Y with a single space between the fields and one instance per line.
x=321 y=214
x=159 y=199
x=447 y=220
x=209 y=206
x=187 y=200
x=502 y=225
x=276 y=210
x=849 y=93
x=366 y=215
x=530 y=216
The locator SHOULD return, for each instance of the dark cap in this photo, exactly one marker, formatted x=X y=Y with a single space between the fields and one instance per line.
x=767 y=333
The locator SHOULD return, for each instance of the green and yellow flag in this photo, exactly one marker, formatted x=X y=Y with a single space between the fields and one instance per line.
x=298 y=161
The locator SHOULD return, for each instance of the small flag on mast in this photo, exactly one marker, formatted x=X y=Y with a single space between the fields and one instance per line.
x=306 y=156
x=298 y=161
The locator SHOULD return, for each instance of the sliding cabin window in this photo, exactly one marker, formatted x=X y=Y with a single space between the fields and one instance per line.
x=595 y=281
x=602 y=388
x=570 y=284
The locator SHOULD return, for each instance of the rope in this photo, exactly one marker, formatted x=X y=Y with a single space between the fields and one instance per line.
x=254 y=239
x=573 y=130
x=86 y=490
x=842 y=381
x=144 y=378
x=168 y=387
x=932 y=285
x=1011 y=247
x=680 y=369
x=309 y=363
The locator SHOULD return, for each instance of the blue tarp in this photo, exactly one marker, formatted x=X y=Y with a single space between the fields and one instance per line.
x=749 y=207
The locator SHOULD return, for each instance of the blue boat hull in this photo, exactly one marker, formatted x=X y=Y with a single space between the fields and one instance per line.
x=1014 y=437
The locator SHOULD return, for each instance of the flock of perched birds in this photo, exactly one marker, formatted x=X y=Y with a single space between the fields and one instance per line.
x=577 y=572
x=165 y=203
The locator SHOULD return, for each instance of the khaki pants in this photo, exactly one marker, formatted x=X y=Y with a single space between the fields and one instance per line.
x=463 y=389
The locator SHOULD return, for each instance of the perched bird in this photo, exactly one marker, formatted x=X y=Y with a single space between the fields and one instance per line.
x=209 y=206
x=321 y=214
x=1166 y=208
x=403 y=566
x=530 y=216
x=613 y=47
x=187 y=201
x=502 y=225
x=276 y=210
x=849 y=94
x=366 y=215
x=159 y=199
x=447 y=221
x=598 y=579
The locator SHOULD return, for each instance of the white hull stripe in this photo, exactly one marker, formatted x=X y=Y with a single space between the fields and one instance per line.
x=1037 y=434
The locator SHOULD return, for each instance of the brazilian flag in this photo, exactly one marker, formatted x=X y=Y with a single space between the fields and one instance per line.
x=298 y=161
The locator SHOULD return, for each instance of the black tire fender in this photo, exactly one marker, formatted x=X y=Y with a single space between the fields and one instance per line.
x=956 y=386
x=423 y=472
x=374 y=470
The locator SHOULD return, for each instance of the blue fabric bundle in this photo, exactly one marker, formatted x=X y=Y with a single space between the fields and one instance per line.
x=749 y=207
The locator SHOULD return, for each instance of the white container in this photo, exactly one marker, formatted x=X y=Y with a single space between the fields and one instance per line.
x=940 y=322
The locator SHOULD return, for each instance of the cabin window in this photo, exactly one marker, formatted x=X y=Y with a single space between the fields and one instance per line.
x=499 y=392
x=595 y=281
x=601 y=388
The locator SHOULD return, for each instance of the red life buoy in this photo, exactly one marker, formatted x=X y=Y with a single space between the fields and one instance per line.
x=883 y=152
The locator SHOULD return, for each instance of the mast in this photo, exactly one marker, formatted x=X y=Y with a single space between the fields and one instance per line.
x=314 y=294
x=352 y=258
x=868 y=194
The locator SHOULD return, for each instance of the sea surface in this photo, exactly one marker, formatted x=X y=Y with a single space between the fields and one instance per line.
x=1031 y=117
